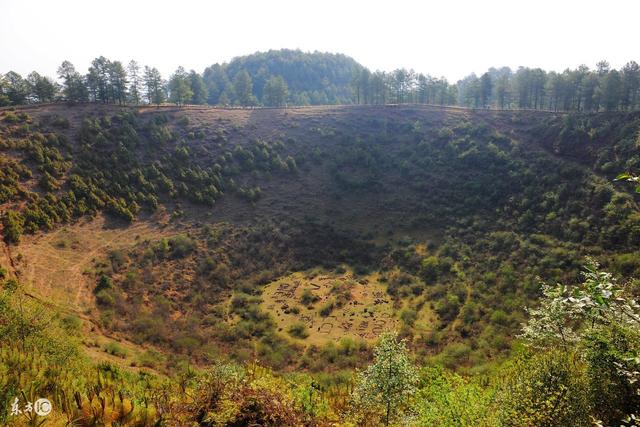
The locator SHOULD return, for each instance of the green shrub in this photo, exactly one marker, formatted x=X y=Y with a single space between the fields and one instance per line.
x=61 y=122
x=106 y=298
x=103 y=283
x=408 y=316
x=455 y=354
x=608 y=350
x=115 y=349
x=308 y=298
x=499 y=317
x=181 y=245
x=298 y=330
x=327 y=308
x=546 y=389
x=11 y=117
x=11 y=285
x=447 y=399
x=13 y=226
x=150 y=359
x=71 y=324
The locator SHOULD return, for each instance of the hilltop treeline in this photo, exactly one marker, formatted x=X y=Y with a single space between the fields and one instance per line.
x=281 y=77
x=582 y=89
x=273 y=79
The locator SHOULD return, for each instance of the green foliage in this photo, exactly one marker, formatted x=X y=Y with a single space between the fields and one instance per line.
x=11 y=117
x=103 y=283
x=408 y=316
x=181 y=245
x=626 y=177
x=326 y=308
x=298 y=330
x=308 y=298
x=230 y=396
x=388 y=383
x=115 y=349
x=565 y=315
x=447 y=399
x=180 y=87
x=611 y=354
x=275 y=92
x=602 y=318
x=310 y=78
x=243 y=86
x=13 y=226
x=548 y=389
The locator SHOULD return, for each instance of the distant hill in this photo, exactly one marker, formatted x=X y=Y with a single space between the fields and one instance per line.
x=312 y=78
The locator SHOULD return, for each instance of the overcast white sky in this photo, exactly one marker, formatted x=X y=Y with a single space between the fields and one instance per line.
x=449 y=37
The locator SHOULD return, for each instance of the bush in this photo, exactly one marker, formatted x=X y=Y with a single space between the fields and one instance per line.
x=228 y=395
x=409 y=316
x=150 y=359
x=547 y=389
x=61 y=122
x=13 y=226
x=11 y=285
x=607 y=350
x=308 y=298
x=115 y=349
x=181 y=245
x=448 y=309
x=447 y=399
x=499 y=317
x=103 y=283
x=71 y=324
x=455 y=354
x=327 y=308
x=118 y=259
x=298 y=330
x=11 y=118
x=106 y=298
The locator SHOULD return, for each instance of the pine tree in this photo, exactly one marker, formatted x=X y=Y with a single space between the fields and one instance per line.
x=180 y=87
x=275 y=92
x=98 y=80
x=244 y=88
x=41 y=89
x=17 y=88
x=198 y=88
x=133 y=73
x=117 y=82
x=154 y=86
x=612 y=91
x=74 y=88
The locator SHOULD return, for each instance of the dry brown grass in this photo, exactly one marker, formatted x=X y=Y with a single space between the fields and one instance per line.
x=368 y=313
x=56 y=266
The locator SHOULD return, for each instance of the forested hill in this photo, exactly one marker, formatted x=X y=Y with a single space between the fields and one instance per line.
x=312 y=78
